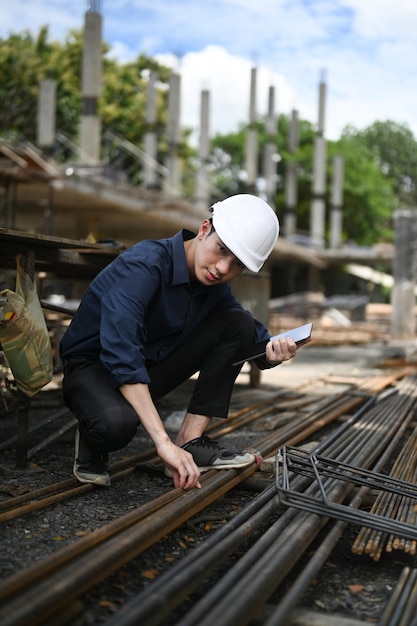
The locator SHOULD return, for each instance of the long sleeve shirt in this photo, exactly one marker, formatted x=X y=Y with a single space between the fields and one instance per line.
x=141 y=307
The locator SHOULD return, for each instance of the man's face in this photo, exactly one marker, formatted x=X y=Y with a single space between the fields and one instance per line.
x=213 y=262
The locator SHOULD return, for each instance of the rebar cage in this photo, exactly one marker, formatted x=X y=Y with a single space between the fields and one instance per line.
x=321 y=492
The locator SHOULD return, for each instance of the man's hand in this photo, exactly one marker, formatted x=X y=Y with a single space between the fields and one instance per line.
x=282 y=349
x=185 y=472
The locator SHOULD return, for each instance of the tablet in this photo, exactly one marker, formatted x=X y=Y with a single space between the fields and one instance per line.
x=299 y=334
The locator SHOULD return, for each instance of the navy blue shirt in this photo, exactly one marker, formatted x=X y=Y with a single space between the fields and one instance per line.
x=140 y=307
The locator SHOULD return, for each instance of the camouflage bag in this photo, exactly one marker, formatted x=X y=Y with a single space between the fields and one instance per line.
x=24 y=336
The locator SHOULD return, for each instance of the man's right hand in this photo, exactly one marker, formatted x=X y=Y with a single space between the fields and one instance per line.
x=181 y=463
x=185 y=472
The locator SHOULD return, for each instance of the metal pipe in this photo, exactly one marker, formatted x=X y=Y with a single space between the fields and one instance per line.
x=15 y=583
x=72 y=580
x=299 y=586
x=40 y=424
x=47 y=596
x=227 y=604
x=171 y=587
x=395 y=598
x=53 y=437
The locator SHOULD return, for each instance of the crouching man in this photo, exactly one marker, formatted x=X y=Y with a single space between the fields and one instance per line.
x=160 y=312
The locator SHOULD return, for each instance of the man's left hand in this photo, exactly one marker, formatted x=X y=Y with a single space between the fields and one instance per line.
x=282 y=349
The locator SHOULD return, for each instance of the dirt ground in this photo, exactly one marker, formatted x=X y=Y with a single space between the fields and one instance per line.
x=350 y=586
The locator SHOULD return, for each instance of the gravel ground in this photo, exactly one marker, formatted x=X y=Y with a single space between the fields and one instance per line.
x=349 y=585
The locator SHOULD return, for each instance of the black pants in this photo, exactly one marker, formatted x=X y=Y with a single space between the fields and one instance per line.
x=109 y=422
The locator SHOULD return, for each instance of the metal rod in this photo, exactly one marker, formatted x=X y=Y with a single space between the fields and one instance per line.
x=53 y=437
x=288 y=536
x=40 y=424
x=260 y=577
x=299 y=586
x=171 y=587
x=45 y=597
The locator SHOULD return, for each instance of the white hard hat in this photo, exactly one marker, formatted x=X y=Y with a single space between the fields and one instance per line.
x=247 y=226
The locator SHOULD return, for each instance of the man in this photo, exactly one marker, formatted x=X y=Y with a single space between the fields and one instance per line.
x=160 y=312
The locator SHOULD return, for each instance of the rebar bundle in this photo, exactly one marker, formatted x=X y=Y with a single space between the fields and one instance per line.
x=395 y=506
x=239 y=594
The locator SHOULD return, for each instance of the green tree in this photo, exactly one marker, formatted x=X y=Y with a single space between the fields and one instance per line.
x=22 y=59
x=226 y=164
x=63 y=65
x=123 y=100
x=395 y=150
x=26 y=60
x=369 y=196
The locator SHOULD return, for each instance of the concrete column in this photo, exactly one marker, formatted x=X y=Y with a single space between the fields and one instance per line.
x=46 y=119
x=403 y=296
x=202 y=187
x=150 y=142
x=318 y=206
x=337 y=202
x=251 y=147
x=270 y=150
x=322 y=105
x=90 y=127
x=290 y=182
x=173 y=177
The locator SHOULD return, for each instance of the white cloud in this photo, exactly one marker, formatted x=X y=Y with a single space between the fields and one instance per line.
x=121 y=52
x=385 y=18
x=227 y=78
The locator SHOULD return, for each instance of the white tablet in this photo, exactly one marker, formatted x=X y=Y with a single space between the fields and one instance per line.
x=299 y=334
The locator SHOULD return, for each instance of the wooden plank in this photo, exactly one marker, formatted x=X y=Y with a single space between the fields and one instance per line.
x=38 y=240
x=55 y=254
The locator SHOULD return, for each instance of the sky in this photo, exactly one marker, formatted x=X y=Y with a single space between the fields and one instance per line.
x=365 y=51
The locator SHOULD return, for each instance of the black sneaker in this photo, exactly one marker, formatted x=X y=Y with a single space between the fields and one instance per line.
x=90 y=466
x=209 y=454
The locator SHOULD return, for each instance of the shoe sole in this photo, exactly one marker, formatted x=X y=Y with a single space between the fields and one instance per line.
x=99 y=480
x=207 y=468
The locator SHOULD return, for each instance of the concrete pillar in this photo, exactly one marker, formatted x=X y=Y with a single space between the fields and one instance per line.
x=251 y=146
x=173 y=177
x=46 y=118
x=337 y=202
x=270 y=150
x=290 y=182
x=322 y=105
x=90 y=127
x=202 y=187
x=403 y=297
x=150 y=142
x=318 y=206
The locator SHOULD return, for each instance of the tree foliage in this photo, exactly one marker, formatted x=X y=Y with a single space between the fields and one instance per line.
x=22 y=67
x=25 y=61
x=368 y=196
x=394 y=148
x=369 y=193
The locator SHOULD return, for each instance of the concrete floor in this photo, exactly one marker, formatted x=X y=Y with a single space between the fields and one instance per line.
x=315 y=362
